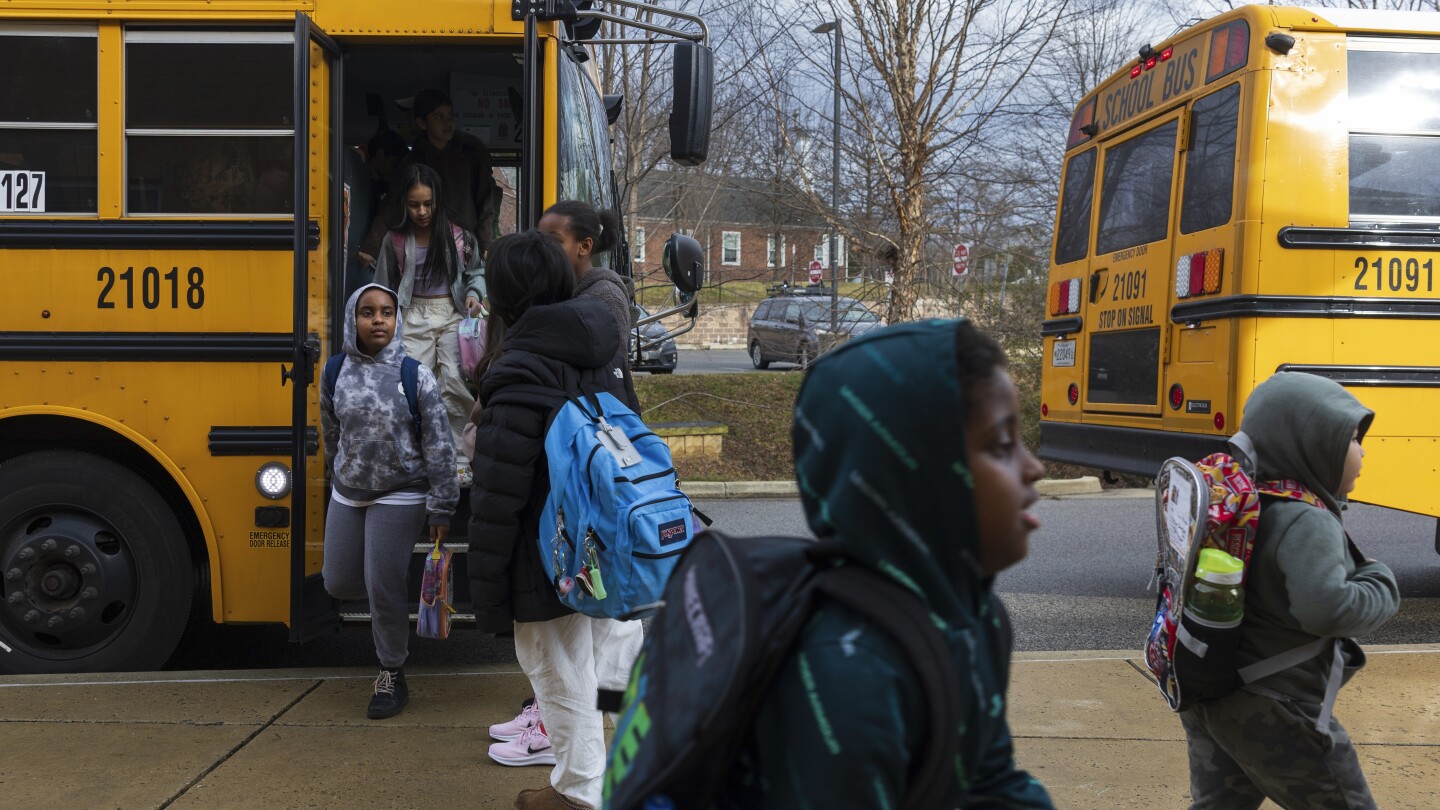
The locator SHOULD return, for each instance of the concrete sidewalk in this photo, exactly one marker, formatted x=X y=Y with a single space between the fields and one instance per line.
x=1089 y=725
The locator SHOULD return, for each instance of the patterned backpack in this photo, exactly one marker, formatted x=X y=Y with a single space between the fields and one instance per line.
x=1212 y=503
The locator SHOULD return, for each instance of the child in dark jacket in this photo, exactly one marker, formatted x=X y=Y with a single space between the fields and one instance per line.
x=940 y=505
x=1307 y=584
x=385 y=481
x=553 y=344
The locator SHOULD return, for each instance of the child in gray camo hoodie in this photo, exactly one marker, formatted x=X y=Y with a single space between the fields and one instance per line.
x=385 y=481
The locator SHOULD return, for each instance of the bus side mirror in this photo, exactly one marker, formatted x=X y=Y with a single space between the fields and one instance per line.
x=690 y=105
x=683 y=263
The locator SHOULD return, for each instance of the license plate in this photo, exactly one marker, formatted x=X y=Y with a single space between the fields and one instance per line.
x=1062 y=354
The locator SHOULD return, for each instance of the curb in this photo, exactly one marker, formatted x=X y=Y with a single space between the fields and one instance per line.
x=1085 y=486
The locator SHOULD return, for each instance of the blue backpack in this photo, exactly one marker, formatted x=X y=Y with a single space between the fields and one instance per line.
x=409 y=383
x=614 y=523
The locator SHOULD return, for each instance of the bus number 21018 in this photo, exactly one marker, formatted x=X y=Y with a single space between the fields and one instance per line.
x=1395 y=275
x=153 y=287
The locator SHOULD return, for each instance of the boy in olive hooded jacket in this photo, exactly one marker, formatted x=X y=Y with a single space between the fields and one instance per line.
x=1307 y=581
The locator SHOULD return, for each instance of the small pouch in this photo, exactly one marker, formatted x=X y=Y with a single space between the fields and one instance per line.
x=471 y=337
x=436 y=594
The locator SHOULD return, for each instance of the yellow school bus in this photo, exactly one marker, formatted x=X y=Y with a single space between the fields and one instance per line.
x=1256 y=193
x=175 y=182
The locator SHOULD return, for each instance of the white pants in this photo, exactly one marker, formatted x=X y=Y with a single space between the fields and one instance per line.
x=567 y=660
x=431 y=335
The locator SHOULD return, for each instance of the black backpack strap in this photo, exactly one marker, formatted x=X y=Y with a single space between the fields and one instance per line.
x=410 y=384
x=905 y=618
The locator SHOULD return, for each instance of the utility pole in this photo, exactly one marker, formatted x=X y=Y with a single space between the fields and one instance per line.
x=826 y=28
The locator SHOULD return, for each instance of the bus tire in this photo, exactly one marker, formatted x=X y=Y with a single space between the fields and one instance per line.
x=95 y=570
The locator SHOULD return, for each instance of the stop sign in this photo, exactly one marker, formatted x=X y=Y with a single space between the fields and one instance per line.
x=962 y=259
x=817 y=272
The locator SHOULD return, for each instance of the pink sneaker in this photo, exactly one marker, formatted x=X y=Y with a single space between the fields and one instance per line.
x=532 y=747
x=529 y=716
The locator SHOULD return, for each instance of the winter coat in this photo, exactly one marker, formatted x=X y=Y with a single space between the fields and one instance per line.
x=398 y=272
x=557 y=347
x=1303 y=582
x=611 y=289
x=370 y=444
x=844 y=721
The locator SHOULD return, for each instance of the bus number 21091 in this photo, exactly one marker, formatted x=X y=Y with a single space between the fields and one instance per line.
x=1395 y=275
x=153 y=287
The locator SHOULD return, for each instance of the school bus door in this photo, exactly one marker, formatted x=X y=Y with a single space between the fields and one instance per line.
x=1128 y=278
x=318 y=151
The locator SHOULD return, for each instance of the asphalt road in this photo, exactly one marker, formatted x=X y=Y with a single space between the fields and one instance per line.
x=1083 y=587
x=723 y=361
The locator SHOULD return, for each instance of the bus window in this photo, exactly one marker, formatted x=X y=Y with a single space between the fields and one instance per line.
x=1394 y=122
x=1072 y=238
x=1135 y=195
x=1210 y=163
x=48 y=128
x=1124 y=367
x=208 y=126
x=584 y=166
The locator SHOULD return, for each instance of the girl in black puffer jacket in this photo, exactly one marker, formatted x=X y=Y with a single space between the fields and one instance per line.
x=552 y=344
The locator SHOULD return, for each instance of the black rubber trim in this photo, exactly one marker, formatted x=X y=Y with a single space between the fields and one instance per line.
x=151 y=234
x=1385 y=238
x=259 y=441
x=1374 y=376
x=1061 y=326
x=183 y=347
x=1125 y=450
x=1305 y=306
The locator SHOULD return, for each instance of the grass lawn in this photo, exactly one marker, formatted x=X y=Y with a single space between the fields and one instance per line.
x=757 y=408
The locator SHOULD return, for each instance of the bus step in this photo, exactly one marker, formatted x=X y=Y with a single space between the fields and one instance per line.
x=362 y=616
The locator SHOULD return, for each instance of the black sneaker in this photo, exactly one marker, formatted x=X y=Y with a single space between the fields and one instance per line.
x=391 y=694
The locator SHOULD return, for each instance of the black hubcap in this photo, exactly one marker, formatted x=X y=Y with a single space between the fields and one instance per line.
x=69 y=581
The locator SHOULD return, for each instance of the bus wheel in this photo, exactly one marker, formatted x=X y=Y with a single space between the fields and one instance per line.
x=96 y=572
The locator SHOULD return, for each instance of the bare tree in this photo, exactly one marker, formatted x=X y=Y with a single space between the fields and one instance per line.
x=925 y=77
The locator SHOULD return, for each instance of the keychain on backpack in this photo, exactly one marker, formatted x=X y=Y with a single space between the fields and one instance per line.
x=563 y=583
x=589 y=576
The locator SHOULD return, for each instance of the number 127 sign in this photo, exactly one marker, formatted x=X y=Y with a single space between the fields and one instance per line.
x=22 y=192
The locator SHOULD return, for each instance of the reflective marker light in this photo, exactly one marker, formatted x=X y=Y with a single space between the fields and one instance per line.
x=1219 y=421
x=1065 y=297
x=1044 y=409
x=1177 y=396
x=273 y=480
x=1199 y=273
x=1073 y=393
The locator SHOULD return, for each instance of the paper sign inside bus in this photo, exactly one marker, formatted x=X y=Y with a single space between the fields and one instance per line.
x=22 y=192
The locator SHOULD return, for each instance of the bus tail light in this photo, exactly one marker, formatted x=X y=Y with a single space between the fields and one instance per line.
x=1219 y=421
x=1177 y=396
x=1199 y=273
x=1229 y=49
x=1073 y=393
x=1065 y=297
x=1044 y=410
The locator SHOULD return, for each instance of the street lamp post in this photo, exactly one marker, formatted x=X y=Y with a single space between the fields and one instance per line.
x=826 y=28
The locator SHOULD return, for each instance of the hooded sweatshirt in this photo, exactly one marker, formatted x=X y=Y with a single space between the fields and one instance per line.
x=370 y=444
x=1303 y=581
x=881 y=464
x=549 y=351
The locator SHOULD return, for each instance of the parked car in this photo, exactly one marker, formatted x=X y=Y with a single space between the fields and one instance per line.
x=656 y=356
x=794 y=325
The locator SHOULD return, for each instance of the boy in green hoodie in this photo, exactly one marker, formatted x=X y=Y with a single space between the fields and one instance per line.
x=1307 y=584
x=907 y=453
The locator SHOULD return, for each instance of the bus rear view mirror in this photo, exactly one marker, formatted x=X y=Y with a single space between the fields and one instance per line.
x=690 y=109
x=682 y=261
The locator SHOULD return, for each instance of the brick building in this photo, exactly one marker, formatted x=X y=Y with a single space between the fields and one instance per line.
x=751 y=229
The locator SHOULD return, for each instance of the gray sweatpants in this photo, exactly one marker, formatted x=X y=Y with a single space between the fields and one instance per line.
x=367 y=555
x=1245 y=747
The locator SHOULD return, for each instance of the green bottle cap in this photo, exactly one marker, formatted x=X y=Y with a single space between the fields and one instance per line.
x=1218 y=567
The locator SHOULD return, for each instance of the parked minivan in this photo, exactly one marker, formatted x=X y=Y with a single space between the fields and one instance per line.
x=794 y=325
